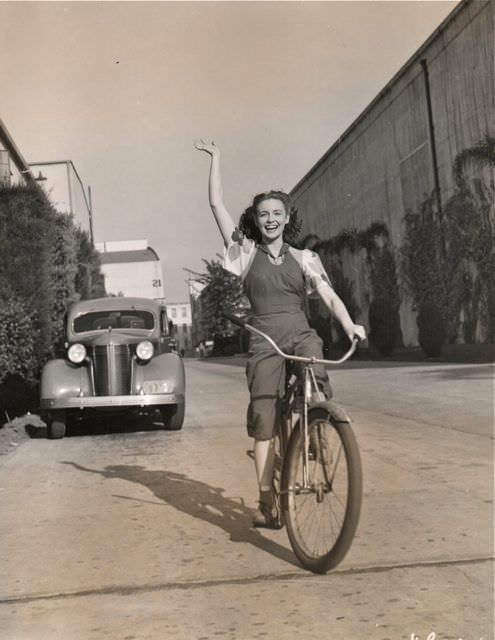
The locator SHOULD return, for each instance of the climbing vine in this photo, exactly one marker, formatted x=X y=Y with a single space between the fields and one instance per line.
x=384 y=297
x=448 y=257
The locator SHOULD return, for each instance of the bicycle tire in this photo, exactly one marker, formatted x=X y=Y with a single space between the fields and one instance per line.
x=304 y=511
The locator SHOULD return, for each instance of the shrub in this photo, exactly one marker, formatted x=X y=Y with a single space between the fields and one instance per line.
x=384 y=318
x=18 y=337
x=42 y=257
x=384 y=325
x=16 y=397
x=449 y=256
x=432 y=330
x=344 y=287
x=26 y=224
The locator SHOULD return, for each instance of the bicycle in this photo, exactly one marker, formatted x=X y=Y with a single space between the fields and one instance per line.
x=317 y=472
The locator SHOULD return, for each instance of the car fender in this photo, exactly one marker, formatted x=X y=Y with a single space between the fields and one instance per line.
x=61 y=379
x=333 y=410
x=166 y=366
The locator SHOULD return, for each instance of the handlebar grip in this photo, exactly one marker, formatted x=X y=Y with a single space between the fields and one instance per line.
x=230 y=316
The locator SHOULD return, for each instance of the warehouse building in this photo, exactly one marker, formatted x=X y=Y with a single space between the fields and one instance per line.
x=403 y=150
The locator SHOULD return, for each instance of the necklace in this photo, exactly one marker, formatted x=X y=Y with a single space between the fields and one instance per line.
x=275 y=260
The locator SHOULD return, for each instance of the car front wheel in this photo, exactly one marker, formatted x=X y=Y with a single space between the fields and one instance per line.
x=173 y=416
x=56 y=425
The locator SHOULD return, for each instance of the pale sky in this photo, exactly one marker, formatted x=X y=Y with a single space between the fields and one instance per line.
x=123 y=88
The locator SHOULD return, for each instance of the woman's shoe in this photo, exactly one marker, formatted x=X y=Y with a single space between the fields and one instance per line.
x=263 y=517
x=267 y=514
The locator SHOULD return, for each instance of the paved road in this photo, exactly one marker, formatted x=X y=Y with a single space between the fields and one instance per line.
x=145 y=534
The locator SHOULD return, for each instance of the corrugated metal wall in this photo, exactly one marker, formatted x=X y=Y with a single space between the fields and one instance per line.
x=382 y=165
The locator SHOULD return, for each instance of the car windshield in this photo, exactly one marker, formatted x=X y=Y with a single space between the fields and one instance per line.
x=131 y=319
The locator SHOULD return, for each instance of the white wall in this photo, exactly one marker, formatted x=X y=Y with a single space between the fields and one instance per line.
x=141 y=279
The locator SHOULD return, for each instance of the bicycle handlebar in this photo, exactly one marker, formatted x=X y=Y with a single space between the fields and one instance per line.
x=308 y=360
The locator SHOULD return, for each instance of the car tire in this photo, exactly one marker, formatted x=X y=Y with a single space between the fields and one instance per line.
x=173 y=416
x=56 y=427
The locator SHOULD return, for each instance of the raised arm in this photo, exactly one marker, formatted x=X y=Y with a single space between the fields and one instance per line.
x=215 y=190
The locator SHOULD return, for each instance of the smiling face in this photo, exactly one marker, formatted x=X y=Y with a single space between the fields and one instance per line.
x=271 y=218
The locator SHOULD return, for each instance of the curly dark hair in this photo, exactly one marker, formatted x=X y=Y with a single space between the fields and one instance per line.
x=247 y=221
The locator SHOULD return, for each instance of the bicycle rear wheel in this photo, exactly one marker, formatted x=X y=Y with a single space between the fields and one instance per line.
x=322 y=514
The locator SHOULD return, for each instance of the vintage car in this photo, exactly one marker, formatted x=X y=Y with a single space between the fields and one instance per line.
x=119 y=358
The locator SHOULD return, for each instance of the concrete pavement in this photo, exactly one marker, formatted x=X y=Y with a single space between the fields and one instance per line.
x=146 y=534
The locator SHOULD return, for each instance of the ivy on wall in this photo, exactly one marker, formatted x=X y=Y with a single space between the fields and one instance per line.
x=448 y=257
x=446 y=263
x=428 y=276
x=471 y=214
x=383 y=297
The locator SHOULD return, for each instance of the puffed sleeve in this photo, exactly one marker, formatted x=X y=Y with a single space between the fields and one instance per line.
x=314 y=272
x=238 y=255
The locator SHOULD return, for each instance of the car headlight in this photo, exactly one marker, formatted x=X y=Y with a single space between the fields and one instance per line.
x=76 y=353
x=144 y=350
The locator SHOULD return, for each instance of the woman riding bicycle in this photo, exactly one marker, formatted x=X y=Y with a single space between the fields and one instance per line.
x=277 y=277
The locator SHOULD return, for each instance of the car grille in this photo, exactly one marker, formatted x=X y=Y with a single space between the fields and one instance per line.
x=112 y=370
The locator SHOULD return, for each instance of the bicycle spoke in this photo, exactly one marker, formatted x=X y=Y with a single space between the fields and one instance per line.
x=318 y=509
x=318 y=522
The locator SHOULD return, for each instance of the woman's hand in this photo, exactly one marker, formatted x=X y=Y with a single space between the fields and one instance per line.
x=356 y=331
x=209 y=147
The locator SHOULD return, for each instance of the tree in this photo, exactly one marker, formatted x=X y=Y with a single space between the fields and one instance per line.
x=64 y=267
x=223 y=292
x=89 y=280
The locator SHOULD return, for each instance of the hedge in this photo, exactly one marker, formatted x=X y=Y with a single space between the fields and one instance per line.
x=46 y=263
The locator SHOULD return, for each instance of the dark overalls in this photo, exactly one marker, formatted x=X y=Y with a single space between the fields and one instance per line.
x=277 y=290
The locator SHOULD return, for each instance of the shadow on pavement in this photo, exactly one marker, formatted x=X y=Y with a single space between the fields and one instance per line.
x=198 y=500
x=384 y=363
x=484 y=372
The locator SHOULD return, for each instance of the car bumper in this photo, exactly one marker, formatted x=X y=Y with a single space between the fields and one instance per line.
x=95 y=402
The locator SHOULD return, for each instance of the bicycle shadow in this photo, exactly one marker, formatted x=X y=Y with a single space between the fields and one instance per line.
x=197 y=499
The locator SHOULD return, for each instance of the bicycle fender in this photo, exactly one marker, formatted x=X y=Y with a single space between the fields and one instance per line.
x=335 y=411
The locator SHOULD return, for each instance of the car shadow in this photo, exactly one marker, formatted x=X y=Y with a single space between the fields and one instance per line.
x=197 y=499
x=102 y=424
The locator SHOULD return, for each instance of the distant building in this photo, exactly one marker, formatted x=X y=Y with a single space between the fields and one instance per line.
x=62 y=183
x=179 y=313
x=54 y=179
x=13 y=167
x=131 y=268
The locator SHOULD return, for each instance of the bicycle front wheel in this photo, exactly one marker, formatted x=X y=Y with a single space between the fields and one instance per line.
x=322 y=504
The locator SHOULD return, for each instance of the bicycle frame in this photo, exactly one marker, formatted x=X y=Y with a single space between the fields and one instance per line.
x=309 y=394
x=306 y=382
